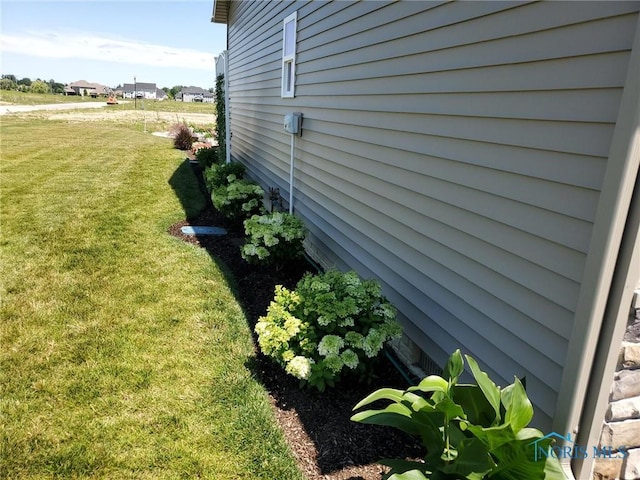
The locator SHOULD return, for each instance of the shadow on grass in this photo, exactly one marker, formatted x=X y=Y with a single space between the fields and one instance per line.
x=183 y=182
x=332 y=444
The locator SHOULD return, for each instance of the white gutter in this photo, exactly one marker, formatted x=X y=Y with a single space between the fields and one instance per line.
x=224 y=58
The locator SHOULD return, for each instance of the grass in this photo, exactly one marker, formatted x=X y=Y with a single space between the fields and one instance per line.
x=170 y=106
x=28 y=98
x=124 y=352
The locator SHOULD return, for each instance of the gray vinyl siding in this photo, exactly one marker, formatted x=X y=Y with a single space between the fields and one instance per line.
x=455 y=151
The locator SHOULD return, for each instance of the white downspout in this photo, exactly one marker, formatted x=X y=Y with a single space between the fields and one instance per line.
x=293 y=143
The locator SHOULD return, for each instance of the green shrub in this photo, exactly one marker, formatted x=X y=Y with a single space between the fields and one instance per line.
x=218 y=174
x=206 y=156
x=472 y=431
x=182 y=138
x=332 y=325
x=273 y=239
x=239 y=199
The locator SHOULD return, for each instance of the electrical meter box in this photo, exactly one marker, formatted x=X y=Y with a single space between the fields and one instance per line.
x=293 y=123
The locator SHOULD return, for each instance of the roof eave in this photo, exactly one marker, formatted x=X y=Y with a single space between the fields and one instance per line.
x=220 y=11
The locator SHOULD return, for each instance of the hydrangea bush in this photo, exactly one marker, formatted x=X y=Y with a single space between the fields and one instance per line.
x=218 y=174
x=239 y=199
x=332 y=325
x=273 y=239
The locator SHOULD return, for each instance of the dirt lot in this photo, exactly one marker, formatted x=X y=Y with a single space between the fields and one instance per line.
x=95 y=114
x=134 y=116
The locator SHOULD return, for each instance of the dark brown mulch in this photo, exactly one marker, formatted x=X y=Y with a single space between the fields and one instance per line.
x=316 y=425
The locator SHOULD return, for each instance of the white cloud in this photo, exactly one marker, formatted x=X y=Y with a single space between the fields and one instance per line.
x=93 y=47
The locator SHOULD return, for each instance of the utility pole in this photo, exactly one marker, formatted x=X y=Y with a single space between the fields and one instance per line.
x=135 y=94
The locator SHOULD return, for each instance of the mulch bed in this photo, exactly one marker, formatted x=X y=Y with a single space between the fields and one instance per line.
x=316 y=425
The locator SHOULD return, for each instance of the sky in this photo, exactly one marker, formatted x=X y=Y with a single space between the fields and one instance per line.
x=166 y=42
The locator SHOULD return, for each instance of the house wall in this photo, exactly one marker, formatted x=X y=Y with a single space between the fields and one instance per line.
x=455 y=151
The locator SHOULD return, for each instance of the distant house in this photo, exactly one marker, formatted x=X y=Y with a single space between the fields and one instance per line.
x=99 y=90
x=160 y=94
x=82 y=87
x=140 y=90
x=195 y=94
x=481 y=159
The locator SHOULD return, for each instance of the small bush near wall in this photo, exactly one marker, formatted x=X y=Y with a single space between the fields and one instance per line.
x=218 y=174
x=239 y=199
x=331 y=326
x=206 y=156
x=474 y=431
x=273 y=239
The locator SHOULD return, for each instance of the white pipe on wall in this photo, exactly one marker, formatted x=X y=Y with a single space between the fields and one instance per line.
x=293 y=143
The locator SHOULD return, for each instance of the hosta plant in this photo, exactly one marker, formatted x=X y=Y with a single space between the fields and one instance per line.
x=476 y=431
x=273 y=239
x=220 y=173
x=331 y=326
x=239 y=199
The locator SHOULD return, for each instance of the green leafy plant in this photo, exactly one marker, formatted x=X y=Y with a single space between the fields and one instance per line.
x=239 y=199
x=273 y=239
x=206 y=155
x=332 y=325
x=220 y=132
x=219 y=173
x=473 y=432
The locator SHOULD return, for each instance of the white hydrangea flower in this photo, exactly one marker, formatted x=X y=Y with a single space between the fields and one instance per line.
x=292 y=325
x=288 y=355
x=354 y=339
x=300 y=367
x=387 y=311
x=347 y=322
x=373 y=342
x=330 y=345
x=249 y=249
x=350 y=358
x=333 y=363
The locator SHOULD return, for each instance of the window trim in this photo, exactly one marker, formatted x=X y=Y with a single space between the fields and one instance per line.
x=289 y=61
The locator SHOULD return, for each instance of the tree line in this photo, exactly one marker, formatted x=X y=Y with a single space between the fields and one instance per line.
x=10 y=82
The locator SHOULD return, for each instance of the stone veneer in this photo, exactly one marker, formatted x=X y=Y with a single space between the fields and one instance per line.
x=622 y=421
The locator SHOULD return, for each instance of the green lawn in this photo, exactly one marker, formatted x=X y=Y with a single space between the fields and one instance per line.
x=28 y=98
x=124 y=353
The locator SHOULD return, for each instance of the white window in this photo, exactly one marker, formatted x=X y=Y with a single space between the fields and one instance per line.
x=289 y=27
